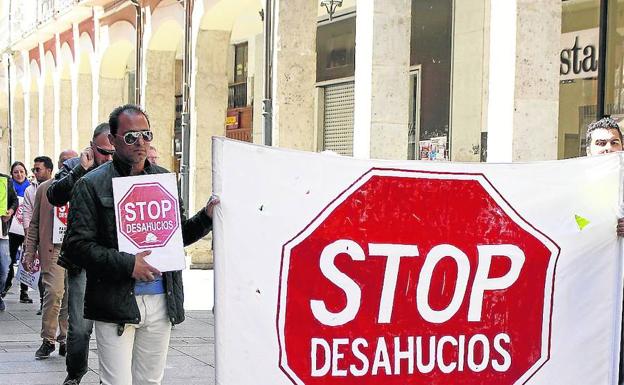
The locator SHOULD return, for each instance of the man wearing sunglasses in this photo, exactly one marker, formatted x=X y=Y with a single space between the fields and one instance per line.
x=132 y=303
x=42 y=171
x=59 y=193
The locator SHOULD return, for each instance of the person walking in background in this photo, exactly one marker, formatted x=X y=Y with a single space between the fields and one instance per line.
x=16 y=231
x=39 y=240
x=5 y=257
x=152 y=155
x=59 y=193
x=42 y=171
x=64 y=156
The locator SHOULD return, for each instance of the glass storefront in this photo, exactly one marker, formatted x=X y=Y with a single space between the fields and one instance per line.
x=582 y=98
x=614 y=74
x=578 y=74
x=430 y=57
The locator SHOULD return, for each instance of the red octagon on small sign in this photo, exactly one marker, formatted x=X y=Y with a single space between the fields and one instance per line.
x=61 y=213
x=148 y=215
x=414 y=277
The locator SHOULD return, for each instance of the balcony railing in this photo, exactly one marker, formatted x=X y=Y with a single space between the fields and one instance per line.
x=27 y=16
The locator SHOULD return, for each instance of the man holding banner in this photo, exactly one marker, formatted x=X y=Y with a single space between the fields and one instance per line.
x=132 y=303
x=603 y=136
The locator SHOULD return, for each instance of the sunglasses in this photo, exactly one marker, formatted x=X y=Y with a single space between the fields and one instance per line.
x=35 y=169
x=131 y=137
x=105 y=151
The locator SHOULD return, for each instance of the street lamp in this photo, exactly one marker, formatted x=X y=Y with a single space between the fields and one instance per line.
x=330 y=6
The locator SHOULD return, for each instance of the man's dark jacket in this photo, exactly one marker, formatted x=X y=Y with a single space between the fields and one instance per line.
x=12 y=202
x=59 y=193
x=91 y=243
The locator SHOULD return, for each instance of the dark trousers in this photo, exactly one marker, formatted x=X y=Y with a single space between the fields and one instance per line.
x=79 y=332
x=15 y=241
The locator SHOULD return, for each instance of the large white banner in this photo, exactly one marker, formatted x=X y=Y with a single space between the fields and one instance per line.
x=333 y=270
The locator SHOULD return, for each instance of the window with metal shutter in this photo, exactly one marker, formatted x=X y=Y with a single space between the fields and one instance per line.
x=338 y=118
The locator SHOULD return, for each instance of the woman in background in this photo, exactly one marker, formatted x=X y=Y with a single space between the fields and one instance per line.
x=16 y=231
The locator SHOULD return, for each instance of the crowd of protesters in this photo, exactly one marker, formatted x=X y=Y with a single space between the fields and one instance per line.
x=84 y=279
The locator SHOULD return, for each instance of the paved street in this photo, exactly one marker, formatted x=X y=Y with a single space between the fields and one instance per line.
x=191 y=353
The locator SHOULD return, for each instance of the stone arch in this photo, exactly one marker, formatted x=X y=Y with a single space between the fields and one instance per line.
x=66 y=110
x=49 y=105
x=84 y=90
x=221 y=14
x=35 y=133
x=210 y=97
x=163 y=79
x=117 y=68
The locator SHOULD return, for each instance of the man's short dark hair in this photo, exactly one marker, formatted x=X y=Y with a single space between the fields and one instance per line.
x=113 y=119
x=606 y=123
x=47 y=162
x=102 y=128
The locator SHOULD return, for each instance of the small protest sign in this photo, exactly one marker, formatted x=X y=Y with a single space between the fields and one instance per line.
x=29 y=278
x=60 y=223
x=17 y=224
x=148 y=218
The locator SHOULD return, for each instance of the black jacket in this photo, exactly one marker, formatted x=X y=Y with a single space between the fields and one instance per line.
x=12 y=202
x=91 y=243
x=59 y=193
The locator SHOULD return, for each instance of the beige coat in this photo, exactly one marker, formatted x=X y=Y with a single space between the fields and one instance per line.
x=29 y=203
x=39 y=237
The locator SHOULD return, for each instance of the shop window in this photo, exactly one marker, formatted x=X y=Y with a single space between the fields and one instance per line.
x=237 y=96
x=430 y=50
x=335 y=49
x=578 y=74
x=614 y=71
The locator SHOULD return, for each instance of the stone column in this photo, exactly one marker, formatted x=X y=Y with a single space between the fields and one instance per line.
x=19 y=140
x=382 y=79
x=536 y=107
x=33 y=128
x=85 y=106
x=210 y=108
x=160 y=102
x=469 y=93
x=48 y=121
x=258 y=86
x=4 y=140
x=523 y=108
x=65 y=114
x=294 y=74
x=112 y=94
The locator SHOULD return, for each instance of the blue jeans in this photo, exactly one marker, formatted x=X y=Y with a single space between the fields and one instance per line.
x=79 y=332
x=5 y=261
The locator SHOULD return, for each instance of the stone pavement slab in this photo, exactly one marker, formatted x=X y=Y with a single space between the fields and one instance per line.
x=190 y=359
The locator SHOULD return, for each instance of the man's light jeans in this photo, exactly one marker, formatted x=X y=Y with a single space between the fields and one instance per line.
x=5 y=261
x=138 y=356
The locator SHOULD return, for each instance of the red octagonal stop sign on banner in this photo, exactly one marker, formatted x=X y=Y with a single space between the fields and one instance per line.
x=416 y=278
x=148 y=215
